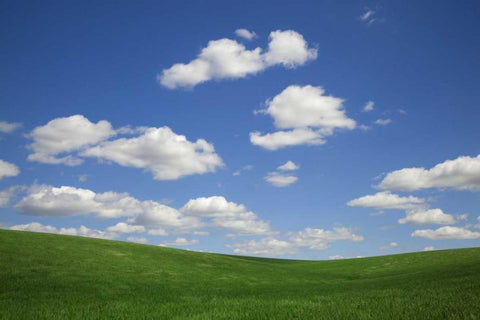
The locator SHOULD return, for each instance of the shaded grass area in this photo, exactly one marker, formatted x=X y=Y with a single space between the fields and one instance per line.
x=45 y=276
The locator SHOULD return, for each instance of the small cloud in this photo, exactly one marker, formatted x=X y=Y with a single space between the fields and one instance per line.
x=288 y=166
x=137 y=240
x=236 y=173
x=82 y=177
x=201 y=233
x=401 y=111
x=336 y=257
x=382 y=122
x=429 y=248
x=179 y=242
x=280 y=180
x=368 y=16
x=245 y=34
x=368 y=106
x=391 y=245
x=9 y=127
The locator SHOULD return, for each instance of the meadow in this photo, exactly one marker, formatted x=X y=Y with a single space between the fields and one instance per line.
x=46 y=276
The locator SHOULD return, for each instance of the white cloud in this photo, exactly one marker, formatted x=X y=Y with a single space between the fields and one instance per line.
x=161 y=151
x=280 y=180
x=368 y=16
x=64 y=135
x=201 y=233
x=428 y=248
x=447 y=232
x=81 y=231
x=179 y=242
x=244 y=33
x=310 y=114
x=82 y=178
x=314 y=239
x=383 y=122
x=320 y=239
x=158 y=232
x=141 y=240
x=264 y=247
x=387 y=200
x=228 y=59
x=427 y=216
x=391 y=245
x=288 y=166
x=369 y=106
x=225 y=214
x=6 y=195
x=336 y=257
x=281 y=139
x=9 y=127
x=461 y=173
x=288 y=48
x=8 y=169
x=123 y=227
x=215 y=206
x=307 y=106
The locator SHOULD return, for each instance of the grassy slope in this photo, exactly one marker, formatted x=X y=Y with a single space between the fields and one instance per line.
x=47 y=276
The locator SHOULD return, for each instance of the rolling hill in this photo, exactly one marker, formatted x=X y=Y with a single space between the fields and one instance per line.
x=46 y=276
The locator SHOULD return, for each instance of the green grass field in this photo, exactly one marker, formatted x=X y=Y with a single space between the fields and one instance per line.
x=46 y=276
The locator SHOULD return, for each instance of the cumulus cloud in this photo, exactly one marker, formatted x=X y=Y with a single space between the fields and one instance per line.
x=179 y=242
x=123 y=227
x=391 y=245
x=309 y=114
x=320 y=239
x=6 y=195
x=81 y=231
x=462 y=173
x=65 y=135
x=245 y=34
x=165 y=154
x=313 y=239
x=8 y=169
x=9 y=127
x=228 y=59
x=369 y=106
x=280 y=180
x=447 y=232
x=428 y=248
x=282 y=139
x=141 y=240
x=264 y=247
x=227 y=215
x=288 y=166
x=387 y=200
x=383 y=122
x=427 y=216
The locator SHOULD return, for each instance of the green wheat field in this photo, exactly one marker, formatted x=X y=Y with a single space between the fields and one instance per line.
x=46 y=276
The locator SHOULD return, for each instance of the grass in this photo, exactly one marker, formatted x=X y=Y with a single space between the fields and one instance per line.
x=45 y=276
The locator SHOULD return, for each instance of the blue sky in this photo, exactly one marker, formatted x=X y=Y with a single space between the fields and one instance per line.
x=157 y=122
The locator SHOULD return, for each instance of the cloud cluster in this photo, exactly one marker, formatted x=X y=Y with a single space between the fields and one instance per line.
x=179 y=242
x=304 y=115
x=446 y=232
x=81 y=231
x=283 y=177
x=311 y=238
x=161 y=151
x=8 y=169
x=216 y=211
x=229 y=59
x=416 y=209
x=462 y=173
